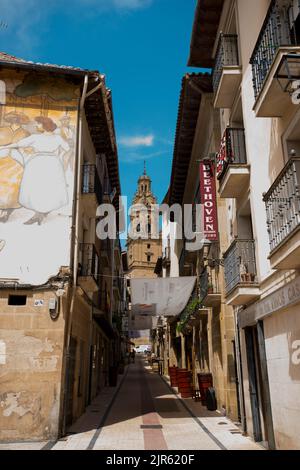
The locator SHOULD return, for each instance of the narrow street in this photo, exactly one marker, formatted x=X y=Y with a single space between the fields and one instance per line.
x=143 y=413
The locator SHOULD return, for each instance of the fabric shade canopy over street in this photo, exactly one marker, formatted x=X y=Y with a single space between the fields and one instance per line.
x=143 y=322
x=161 y=297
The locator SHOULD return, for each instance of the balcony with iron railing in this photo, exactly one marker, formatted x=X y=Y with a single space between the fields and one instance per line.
x=118 y=284
x=106 y=252
x=107 y=190
x=241 y=283
x=233 y=172
x=166 y=256
x=91 y=189
x=88 y=269
x=278 y=37
x=283 y=217
x=227 y=71
x=187 y=262
x=210 y=293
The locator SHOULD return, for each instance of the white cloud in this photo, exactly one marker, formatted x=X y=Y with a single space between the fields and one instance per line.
x=131 y=4
x=27 y=19
x=138 y=157
x=137 y=141
x=119 y=5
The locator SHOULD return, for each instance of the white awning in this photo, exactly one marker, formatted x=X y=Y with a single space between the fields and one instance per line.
x=165 y=297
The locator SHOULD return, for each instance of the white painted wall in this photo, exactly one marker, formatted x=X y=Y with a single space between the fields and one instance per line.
x=282 y=335
x=169 y=235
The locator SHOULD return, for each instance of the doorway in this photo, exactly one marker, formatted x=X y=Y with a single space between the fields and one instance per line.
x=71 y=380
x=259 y=386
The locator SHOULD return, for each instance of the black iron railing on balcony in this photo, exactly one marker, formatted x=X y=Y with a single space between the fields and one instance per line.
x=283 y=204
x=279 y=29
x=107 y=190
x=91 y=183
x=209 y=283
x=89 y=261
x=227 y=56
x=240 y=264
x=232 y=151
x=119 y=283
x=182 y=260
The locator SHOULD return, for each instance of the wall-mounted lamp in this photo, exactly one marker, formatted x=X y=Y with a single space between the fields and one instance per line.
x=288 y=76
x=206 y=251
x=54 y=308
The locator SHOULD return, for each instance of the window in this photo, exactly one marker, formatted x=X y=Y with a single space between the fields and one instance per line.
x=149 y=228
x=148 y=258
x=138 y=228
x=148 y=246
x=17 y=300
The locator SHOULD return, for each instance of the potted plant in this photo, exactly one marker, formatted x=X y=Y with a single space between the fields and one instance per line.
x=245 y=277
x=210 y=289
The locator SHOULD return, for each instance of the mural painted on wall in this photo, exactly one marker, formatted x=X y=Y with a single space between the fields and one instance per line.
x=38 y=118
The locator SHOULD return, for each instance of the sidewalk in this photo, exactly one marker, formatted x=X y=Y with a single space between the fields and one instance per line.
x=228 y=433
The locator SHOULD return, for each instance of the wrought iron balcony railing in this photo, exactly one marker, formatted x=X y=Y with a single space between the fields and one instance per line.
x=89 y=261
x=118 y=283
x=279 y=29
x=226 y=56
x=283 y=204
x=91 y=183
x=167 y=254
x=232 y=151
x=107 y=190
x=182 y=261
x=209 y=283
x=240 y=264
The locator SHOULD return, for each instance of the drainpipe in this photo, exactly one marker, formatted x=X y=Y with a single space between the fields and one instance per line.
x=74 y=247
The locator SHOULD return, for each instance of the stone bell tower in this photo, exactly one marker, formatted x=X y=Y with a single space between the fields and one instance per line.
x=143 y=253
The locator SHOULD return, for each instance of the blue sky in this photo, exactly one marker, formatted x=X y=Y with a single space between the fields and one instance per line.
x=141 y=46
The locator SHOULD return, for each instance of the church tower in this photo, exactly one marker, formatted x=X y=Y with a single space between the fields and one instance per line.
x=143 y=253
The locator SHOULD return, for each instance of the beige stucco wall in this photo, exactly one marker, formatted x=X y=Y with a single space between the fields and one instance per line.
x=282 y=335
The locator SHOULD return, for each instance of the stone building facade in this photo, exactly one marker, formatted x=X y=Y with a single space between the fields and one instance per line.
x=58 y=161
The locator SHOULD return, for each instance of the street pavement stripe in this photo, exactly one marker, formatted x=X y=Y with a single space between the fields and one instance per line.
x=153 y=435
x=49 y=445
x=198 y=421
x=151 y=426
x=105 y=416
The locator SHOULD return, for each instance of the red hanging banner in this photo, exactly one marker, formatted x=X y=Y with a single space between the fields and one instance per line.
x=209 y=200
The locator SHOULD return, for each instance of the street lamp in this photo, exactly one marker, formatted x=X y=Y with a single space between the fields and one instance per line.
x=206 y=252
x=206 y=249
x=288 y=76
